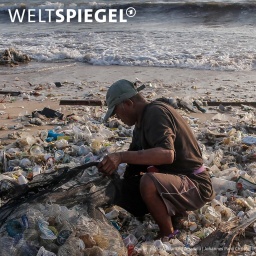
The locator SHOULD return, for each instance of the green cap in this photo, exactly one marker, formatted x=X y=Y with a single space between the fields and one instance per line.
x=117 y=93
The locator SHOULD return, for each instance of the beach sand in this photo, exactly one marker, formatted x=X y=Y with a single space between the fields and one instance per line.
x=80 y=80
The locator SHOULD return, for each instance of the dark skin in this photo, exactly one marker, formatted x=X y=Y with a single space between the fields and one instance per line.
x=130 y=112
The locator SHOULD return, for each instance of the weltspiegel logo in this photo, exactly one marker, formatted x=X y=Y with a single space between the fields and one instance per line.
x=68 y=15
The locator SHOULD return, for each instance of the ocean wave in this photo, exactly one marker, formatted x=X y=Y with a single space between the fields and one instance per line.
x=153 y=41
x=243 y=62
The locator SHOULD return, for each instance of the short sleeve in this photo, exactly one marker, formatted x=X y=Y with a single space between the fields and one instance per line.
x=159 y=128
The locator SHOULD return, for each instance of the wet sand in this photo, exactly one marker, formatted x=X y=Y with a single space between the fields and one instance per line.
x=199 y=83
x=81 y=80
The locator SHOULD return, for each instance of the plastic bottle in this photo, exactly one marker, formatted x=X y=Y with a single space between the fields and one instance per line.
x=192 y=226
x=88 y=158
x=25 y=162
x=212 y=215
x=112 y=214
x=193 y=240
x=58 y=155
x=82 y=135
x=36 y=150
x=63 y=236
x=160 y=245
x=22 y=180
x=50 y=164
x=148 y=248
x=14 y=162
x=83 y=150
x=220 y=185
x=43 y=252
x=225 y=212
x=36 y=170
x=251 y=213
x=61 y=144
x=43 y=135
x=130 y=240
x=251 y=201
x=46 y=233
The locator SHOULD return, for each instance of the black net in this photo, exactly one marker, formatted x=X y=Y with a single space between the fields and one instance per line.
x=82 y=188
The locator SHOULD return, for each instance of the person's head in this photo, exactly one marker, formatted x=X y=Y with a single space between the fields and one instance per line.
x=122 y=100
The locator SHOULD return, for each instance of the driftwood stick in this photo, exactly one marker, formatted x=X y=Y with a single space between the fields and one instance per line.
x=91 y=102
x=12 y=93
x=231 y=103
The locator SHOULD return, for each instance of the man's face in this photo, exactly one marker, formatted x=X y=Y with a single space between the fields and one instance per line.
x=123 y=112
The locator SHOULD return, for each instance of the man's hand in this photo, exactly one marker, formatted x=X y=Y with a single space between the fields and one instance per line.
x=110 y=163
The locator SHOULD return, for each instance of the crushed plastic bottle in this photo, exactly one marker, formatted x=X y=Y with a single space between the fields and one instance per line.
x=36 y=170
x=46 y=233
x=36 y=150
x=43 y=252
x=25 y=162
x=226 y=213
x=22 y=180
x=59 y=155
x=212 y=215
x=60 y=144
x=221 y=185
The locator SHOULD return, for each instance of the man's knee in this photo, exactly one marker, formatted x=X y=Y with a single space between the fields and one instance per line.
x=147 y=186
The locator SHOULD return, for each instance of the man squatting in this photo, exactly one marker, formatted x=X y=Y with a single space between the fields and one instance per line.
x=163 y=142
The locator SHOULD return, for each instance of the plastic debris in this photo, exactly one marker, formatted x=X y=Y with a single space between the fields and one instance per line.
x=64 y=223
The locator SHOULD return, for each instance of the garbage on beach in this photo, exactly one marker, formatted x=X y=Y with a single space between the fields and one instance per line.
x=64 y=222
x=13 y=57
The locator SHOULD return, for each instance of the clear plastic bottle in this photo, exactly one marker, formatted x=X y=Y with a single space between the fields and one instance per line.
x=58 y=155
x=60 y=144
x=36 y=150
x=82 y=135
x=46 y=233
x=148 y=248
x=43 y=252
x=88 y=158
x=36 y=170
x=21 y=179
x=212 y=215
x=43 y=135
x=221 y=185
x=25 y=162
x=130 y=240
x=83 y=150
x=112 y=214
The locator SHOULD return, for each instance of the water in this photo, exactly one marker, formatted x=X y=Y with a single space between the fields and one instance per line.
x=213 y=35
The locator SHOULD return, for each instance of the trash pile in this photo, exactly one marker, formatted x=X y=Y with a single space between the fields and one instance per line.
x=50 y=206
x=12 y=57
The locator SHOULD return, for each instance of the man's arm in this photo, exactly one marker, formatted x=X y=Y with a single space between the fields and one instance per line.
x=152 y=156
